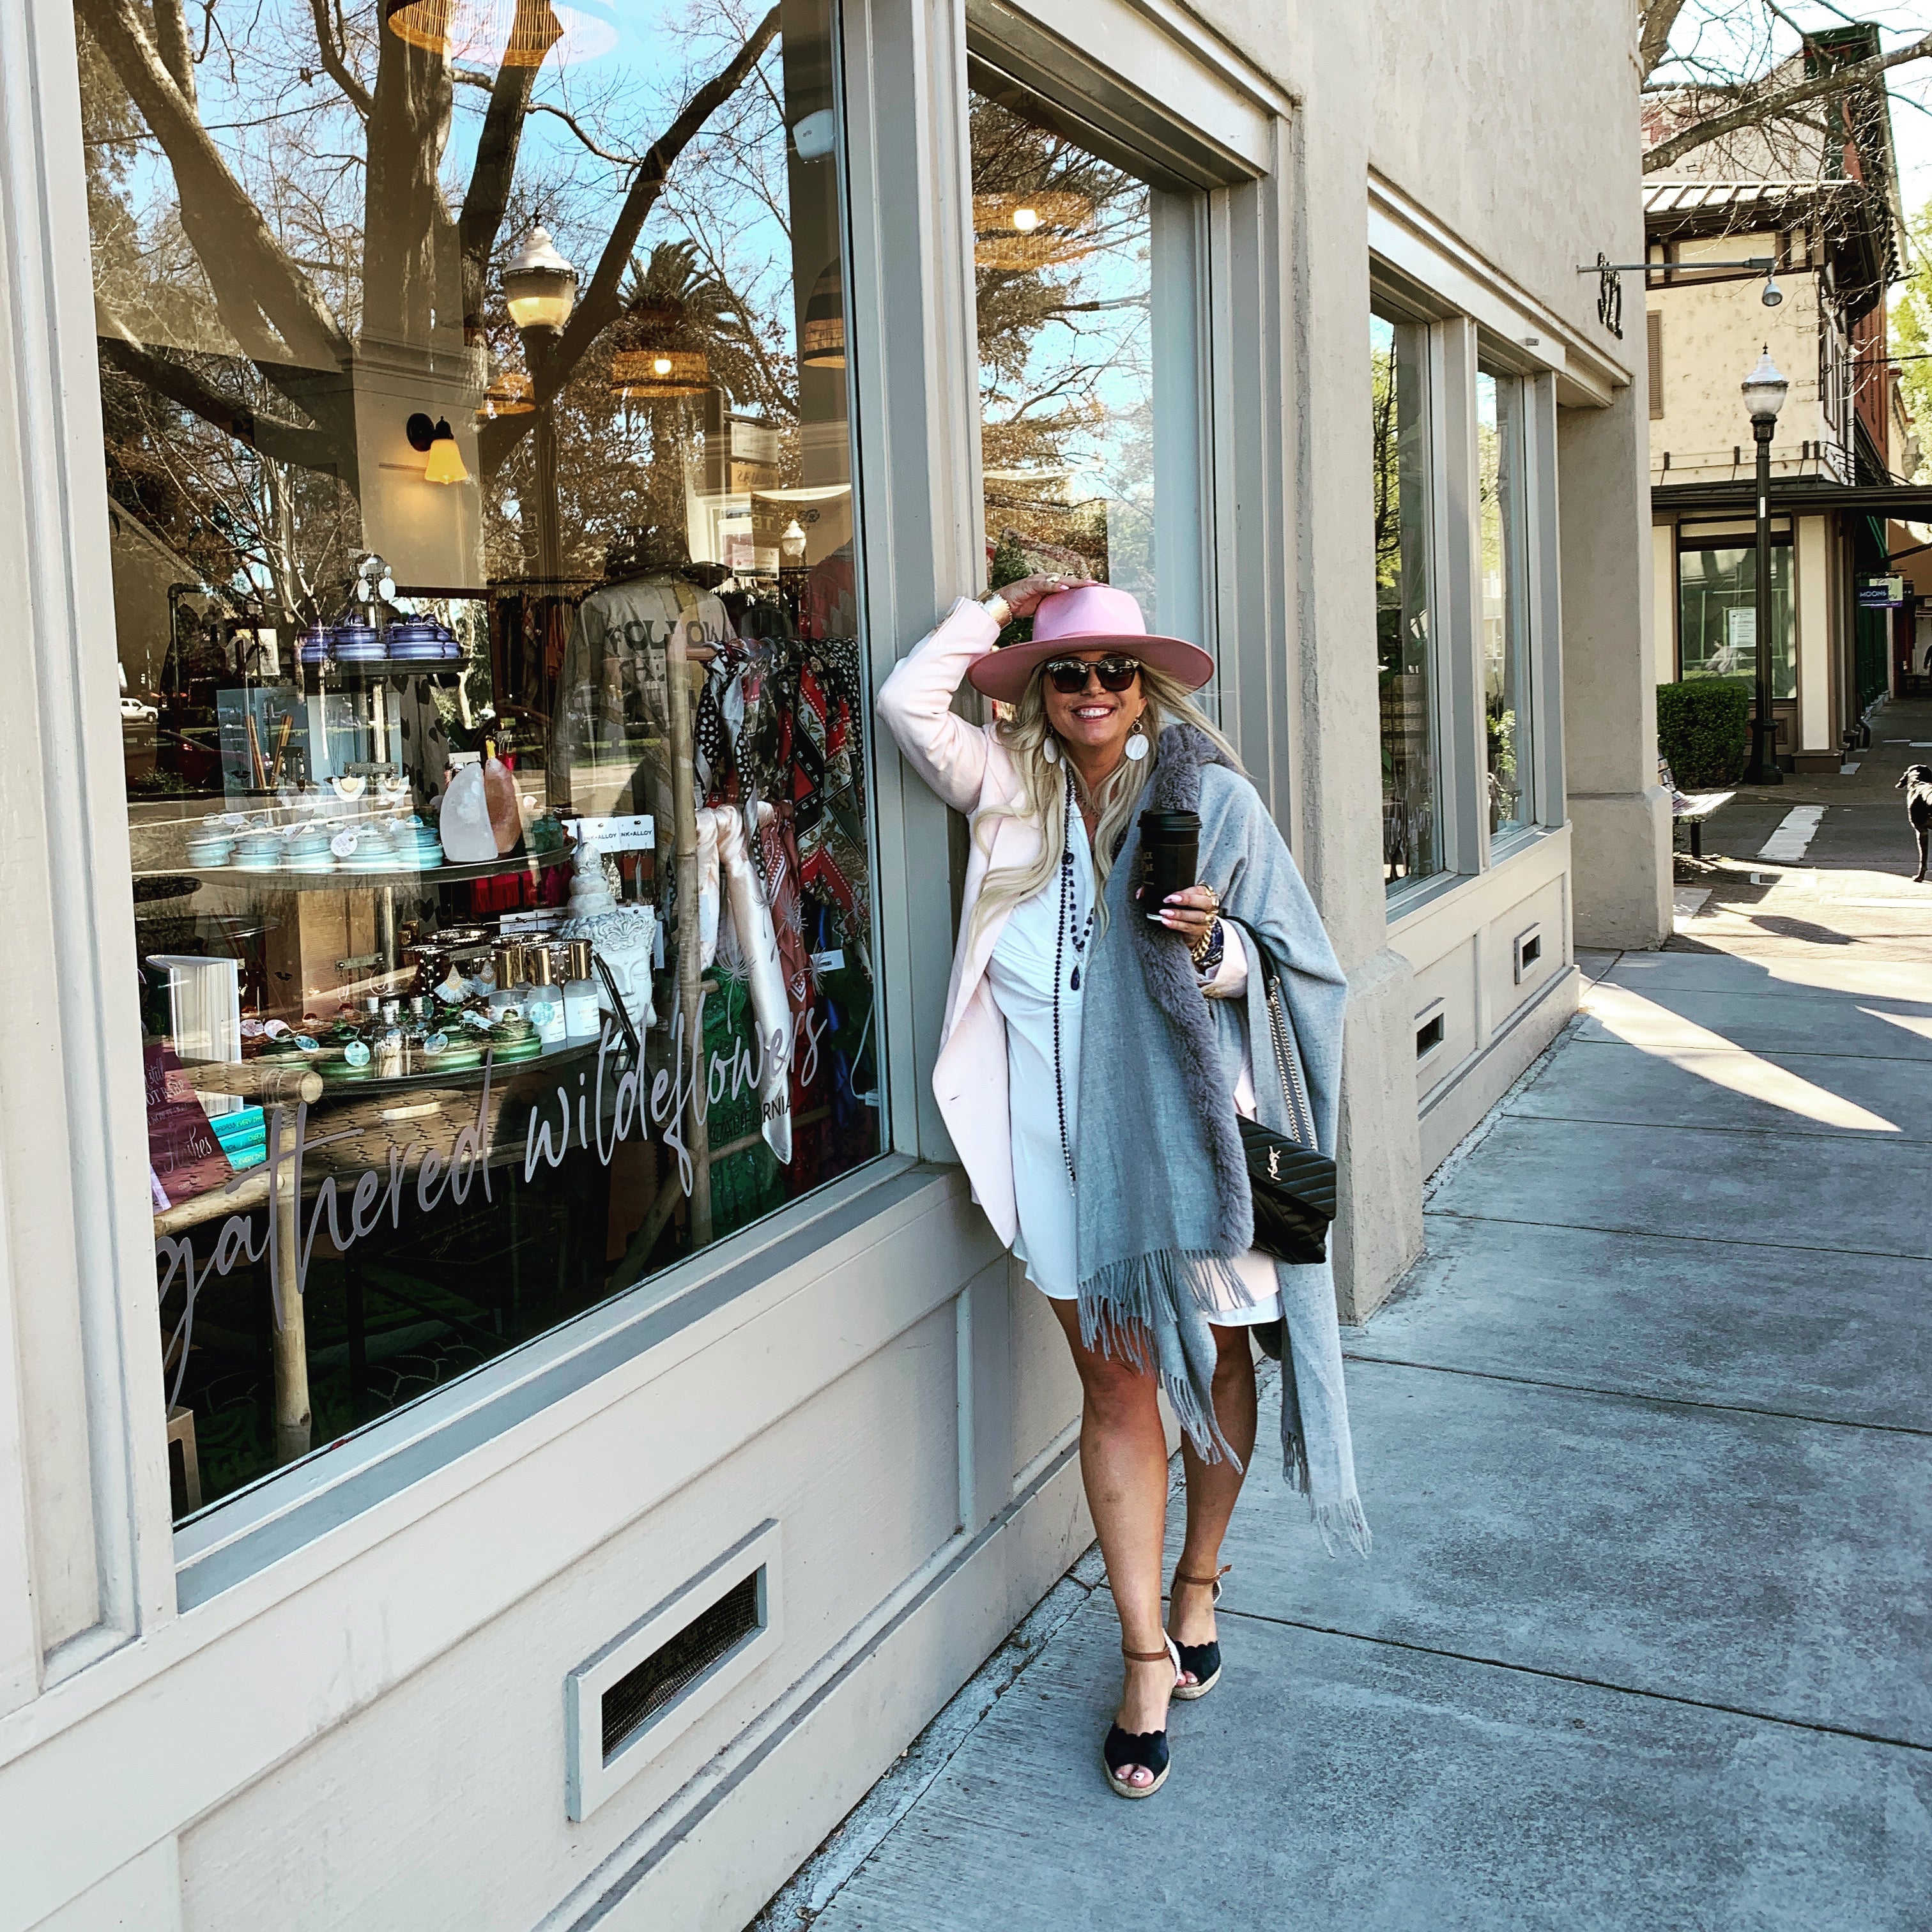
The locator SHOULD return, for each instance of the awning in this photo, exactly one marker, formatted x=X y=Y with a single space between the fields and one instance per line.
x=1906 y=502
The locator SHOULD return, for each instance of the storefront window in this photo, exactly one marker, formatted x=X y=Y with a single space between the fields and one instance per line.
x=495 y=730
x=1717 y=615
x=1411 y=832
x=1501 y=448
x=1064 y=270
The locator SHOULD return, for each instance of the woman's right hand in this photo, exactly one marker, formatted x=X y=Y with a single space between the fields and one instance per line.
x=1022 y=596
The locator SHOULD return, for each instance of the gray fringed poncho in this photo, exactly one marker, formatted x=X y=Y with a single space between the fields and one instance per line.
x=1163 y=1202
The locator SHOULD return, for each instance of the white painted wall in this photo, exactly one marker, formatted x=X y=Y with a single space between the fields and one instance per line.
x=1814 y=635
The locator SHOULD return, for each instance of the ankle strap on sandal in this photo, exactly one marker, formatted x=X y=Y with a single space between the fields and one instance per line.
x=1182 y=1576
x=1145 y=1656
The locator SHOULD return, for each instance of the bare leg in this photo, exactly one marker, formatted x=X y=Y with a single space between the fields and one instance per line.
x=1123 y=1464
x=1212 y=1488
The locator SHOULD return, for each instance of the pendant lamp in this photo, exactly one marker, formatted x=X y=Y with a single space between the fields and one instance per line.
x=648 y=375
x=821 y=343
x=1031 y=230
x=506 y=33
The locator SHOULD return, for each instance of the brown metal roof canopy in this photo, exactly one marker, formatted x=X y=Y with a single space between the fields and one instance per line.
x=1907 y=501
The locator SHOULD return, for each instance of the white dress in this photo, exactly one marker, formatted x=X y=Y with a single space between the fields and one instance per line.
x=1021 y=974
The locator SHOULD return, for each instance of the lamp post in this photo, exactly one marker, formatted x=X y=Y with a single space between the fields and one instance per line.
x=1764 y=393
x=540 y=290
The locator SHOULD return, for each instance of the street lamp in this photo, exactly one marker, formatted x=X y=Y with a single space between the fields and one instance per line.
x=540 y=291
x=1764 y=393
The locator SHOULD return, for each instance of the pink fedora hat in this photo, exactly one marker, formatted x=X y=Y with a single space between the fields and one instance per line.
x=1091 y=616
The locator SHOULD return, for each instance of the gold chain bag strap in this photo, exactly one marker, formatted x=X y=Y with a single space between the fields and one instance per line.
x=1292 y=1181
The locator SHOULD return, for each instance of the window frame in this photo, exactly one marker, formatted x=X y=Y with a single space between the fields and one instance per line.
x=147 y=1569
x=1458 y=342
x=1542 y=614
x=1398 y=299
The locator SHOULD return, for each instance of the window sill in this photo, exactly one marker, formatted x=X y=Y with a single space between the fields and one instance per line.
x=1432 y=896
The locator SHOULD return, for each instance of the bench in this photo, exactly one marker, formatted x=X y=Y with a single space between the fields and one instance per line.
x=1698 y=806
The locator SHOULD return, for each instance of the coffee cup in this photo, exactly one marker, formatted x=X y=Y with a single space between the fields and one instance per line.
x=1170 y=855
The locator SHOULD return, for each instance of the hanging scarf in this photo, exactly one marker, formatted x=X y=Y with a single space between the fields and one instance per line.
x=1164 y=1208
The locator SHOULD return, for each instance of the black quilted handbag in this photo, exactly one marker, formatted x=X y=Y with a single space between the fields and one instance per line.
x=1293 y=1182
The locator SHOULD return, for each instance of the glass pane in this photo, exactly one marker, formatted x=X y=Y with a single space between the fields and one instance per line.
x=1717 y=605
x=1063 y=252
x=1411 y=834
x=1501 y=453
x=493 y=710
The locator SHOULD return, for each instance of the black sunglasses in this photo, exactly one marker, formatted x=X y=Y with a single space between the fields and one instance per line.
x=1070 y=674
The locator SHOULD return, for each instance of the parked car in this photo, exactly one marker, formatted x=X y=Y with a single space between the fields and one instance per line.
x=133 y=712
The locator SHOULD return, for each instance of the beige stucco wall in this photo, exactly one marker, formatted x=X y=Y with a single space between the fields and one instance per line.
x=1713 y=334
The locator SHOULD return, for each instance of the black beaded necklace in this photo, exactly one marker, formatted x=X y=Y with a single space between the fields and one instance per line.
x=1064 y=934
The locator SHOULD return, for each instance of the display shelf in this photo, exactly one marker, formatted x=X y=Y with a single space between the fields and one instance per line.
x=284 y=879
x=366 y=1119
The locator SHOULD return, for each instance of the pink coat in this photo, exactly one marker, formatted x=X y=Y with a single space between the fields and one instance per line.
x=968 y=767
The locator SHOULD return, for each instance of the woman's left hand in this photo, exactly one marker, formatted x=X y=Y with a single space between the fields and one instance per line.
x=1191 y=913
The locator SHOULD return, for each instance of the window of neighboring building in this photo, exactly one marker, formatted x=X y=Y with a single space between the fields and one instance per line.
x=496 y=734
x=1717 y=589
x=1404 y=659
x=1502 y=456
x=1084 y=278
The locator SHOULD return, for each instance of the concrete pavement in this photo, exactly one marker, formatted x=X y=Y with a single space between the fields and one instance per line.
x=1646 y=1439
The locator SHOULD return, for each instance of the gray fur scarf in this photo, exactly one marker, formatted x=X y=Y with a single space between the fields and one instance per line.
x=1163 y=1204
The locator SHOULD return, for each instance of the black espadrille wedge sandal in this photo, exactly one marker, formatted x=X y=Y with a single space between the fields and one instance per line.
x=1125 y=1750
x=1200 y=1661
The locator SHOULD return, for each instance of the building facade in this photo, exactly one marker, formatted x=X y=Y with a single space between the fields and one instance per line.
x=1829 y=236
x=508 y=1414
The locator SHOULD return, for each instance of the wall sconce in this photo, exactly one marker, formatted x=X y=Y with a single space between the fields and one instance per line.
x=437 y=441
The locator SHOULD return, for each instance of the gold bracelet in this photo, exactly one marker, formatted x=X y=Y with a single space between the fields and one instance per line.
x=1198 y=952
x=1004 y=616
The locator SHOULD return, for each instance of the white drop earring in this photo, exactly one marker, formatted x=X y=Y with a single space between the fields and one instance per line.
x=1049 y=748
x=1137 y=743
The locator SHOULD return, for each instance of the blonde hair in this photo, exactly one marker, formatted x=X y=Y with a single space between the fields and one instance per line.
x=1042 y=793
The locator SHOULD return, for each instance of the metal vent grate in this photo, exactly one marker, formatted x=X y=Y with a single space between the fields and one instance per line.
x=709 y=1637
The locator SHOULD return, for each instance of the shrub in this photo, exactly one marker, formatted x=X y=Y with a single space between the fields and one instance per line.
x=1702 y=730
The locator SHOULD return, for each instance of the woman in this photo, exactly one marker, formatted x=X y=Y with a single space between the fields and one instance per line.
x=1095 y=1054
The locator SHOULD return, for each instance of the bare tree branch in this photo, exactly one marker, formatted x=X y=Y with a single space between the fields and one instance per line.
x=171 y=42
x=488 y=194
x=465 y=77
x=1654 y=30
x=599 y=305
x=271 y=435
x=223 y=222
x=1770 y=103
x=409 y=271
x=334 y=62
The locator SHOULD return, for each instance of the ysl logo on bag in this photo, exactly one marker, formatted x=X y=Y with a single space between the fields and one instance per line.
x=1274 y=1163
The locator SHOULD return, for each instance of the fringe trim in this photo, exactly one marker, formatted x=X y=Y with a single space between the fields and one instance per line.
x=1125 y=1304
x=1335 y=1522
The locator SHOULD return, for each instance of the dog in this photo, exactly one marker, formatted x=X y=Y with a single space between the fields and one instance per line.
x=1917 y=786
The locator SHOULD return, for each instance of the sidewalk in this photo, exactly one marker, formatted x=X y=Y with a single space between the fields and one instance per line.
x=1646 y=1440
